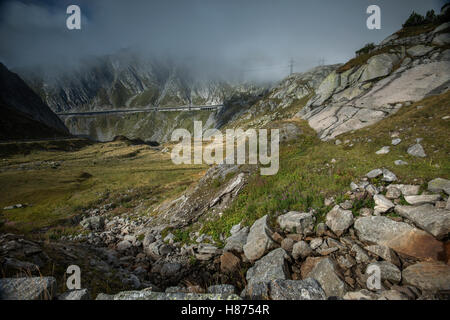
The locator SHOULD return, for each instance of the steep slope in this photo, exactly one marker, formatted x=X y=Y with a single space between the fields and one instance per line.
x=23 y=114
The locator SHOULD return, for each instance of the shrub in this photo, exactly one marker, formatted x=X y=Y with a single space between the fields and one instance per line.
x=366 y=49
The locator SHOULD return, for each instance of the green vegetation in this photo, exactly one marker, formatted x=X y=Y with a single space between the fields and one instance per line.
x=308 y=175
x=363 y=58
x=366 y=49
x=132 y=178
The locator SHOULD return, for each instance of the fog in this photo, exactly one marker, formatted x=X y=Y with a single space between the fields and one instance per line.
x=256 y=38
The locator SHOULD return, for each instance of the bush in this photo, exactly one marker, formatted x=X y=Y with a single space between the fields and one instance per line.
x=366 y=49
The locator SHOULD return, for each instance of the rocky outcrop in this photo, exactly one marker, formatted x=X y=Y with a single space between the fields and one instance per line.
x=35 y=288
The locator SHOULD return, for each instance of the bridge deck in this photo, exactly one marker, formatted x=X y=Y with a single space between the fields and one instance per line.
x=180 y=108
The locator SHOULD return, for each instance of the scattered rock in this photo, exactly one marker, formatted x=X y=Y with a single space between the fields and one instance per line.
x=388 y=271
x=422 y=199
x=438 y=185
x=258 y=240
x=222 y=289
x=229 y=263
x=82 y=294
x=339 y=220
x=382 y=203
x=325 y=272
x=308 y=289
x=270 y=267
x=428 y=276
x=417 y=151
x=396 y=141
x=236 y=241
x=301 y=250
x=427 y=217
x=393 y=193
x=384 y=150
x=34 y=288
x=374 y=173
x=298 y=222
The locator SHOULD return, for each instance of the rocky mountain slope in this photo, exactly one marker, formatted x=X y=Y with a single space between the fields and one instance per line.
x=23 y=114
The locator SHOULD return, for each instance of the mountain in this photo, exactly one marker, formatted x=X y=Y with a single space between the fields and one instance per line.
x=23 y=113
x=124 y=80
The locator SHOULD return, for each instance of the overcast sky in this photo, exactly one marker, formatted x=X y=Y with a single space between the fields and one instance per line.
x=259 y=35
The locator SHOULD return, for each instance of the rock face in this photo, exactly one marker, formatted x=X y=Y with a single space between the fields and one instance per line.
x=388 y=271
x=428 y=217
x=236 y=241
x=325 y=273
x=298 y=222
x=428 y=276
x=27 y=288
x=339 y=220
x=82 y=294
x=270 y=267
x=259 y=240
x=379 y=66
x=23 y=115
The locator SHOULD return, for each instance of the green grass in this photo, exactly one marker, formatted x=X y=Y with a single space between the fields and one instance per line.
x=127 y=176
x=307 y=175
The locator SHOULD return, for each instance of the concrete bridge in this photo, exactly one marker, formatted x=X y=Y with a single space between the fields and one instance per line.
x=119 y=111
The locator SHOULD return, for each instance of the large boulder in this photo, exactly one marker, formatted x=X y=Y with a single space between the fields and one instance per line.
x=298 y=222
x=441 y=39
x=270 y=267
x=339 y=220
x=325 y=272
x=35 y=288
x=428 y=276
x=379 y=66
x=400 y=237
x=259 y=240
x=422 y=199
x=93 y=223
x=327 y=87
x=428 y=217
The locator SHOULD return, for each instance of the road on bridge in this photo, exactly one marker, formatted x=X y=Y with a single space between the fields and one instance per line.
x=180 y=108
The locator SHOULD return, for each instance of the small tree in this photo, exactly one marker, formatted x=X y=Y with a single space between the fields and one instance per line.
x=430 y=17
x=366 y=49
x=414 y=19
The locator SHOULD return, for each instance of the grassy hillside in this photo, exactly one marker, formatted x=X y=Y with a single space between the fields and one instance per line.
x=308 y=174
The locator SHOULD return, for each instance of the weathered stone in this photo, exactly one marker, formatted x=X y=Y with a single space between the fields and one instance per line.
x=308 y=289
x=236 y=241
x=363 y=294
x=93 y=223
x=428 y=276
x=301 y=250
x=393 y=193
x=441 y=39
x=406 y=189
x=258 y=240
x=379 y=66
x=308 y=265
x=150 y=295
x=427 y=217
x=298 y=222
x=170 y=269
x=35 y=288
x=229 y=263
x=379 y=229
x=388 y=176
x=82 y=294
x=287 y=244
x=361 y=255
x=438 y=185
x=385 y=253
x=339 y=220
x=422 y=199
x=374 y=173
x=384 y=150
x=417 y=244
x=222 y=289
x=419 y=50
x=346 y=262
x=270 y=267
x=256 y=291
x=325 y=272
x=417 y=151
x=400 y=163
x=388 y=271
x=382 y=203
x=396 y=141
x=124 y=245
x=315 y=243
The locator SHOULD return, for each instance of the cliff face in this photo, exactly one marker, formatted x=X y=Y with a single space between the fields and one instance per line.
x=23 y=113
